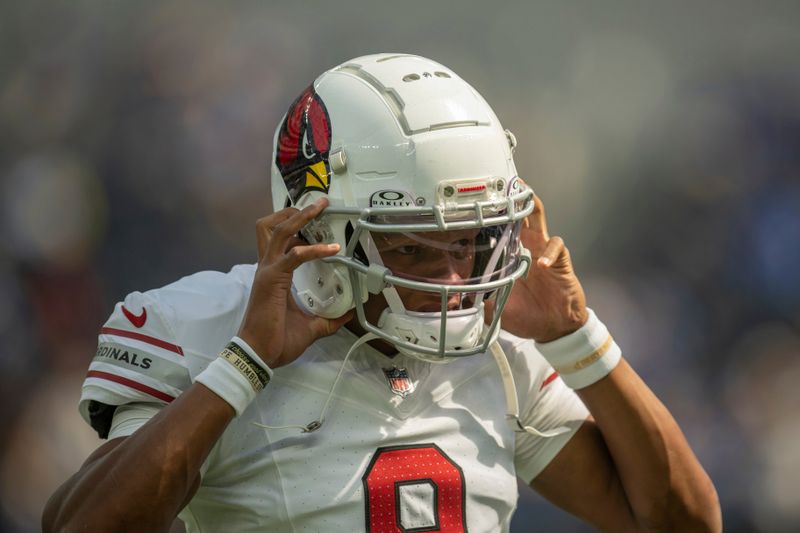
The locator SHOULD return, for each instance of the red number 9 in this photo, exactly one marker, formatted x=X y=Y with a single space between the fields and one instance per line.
x=413 y=489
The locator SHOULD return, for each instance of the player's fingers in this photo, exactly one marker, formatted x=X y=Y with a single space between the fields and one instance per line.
x=298 y=255
x=289 y=227
x=269 y=222
x=536 y=221
x=265 y=226
x=294 y=240
x=555 y=247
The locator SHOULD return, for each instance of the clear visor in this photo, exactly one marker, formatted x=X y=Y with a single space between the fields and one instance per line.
x=463 y=260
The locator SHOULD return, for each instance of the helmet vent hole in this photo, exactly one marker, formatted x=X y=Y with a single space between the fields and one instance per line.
x=440 y=74
x=410 y=77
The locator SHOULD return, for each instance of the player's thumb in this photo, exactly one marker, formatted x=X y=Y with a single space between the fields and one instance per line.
x=322 y=327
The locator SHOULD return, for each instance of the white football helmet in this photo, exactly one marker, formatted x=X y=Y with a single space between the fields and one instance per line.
x=424 y=200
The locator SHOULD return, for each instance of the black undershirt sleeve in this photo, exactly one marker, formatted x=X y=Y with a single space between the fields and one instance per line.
x=100 y=416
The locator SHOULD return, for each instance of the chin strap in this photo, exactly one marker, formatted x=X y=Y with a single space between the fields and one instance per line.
x=512 y=404
x=316 y=424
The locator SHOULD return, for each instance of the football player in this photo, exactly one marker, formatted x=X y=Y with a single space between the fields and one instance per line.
x=359 y=377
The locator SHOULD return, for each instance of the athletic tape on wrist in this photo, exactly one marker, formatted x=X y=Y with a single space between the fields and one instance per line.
x=584 y=356
x=237 y=375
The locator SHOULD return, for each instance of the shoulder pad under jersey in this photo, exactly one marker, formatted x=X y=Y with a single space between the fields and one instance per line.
x=154 y=343
x=531 y=371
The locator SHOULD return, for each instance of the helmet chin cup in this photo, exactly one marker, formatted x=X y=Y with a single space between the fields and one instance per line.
x=323 y=289
x=463 y=330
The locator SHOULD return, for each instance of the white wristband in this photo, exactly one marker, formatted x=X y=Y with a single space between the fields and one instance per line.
x=584 y=356
x=237 y=375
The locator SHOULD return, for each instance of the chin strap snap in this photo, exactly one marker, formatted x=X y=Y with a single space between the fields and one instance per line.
x=512 y=404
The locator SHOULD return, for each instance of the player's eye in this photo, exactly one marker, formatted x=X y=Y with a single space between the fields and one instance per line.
x=407 y=249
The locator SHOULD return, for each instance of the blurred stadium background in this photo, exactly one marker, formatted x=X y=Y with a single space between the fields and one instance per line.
x=663 y=137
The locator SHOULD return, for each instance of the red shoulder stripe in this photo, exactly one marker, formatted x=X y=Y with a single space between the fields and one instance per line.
x=144 y=338
x=549 y=379
x=130 y=383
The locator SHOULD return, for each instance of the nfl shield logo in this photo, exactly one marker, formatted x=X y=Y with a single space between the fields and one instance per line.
x=399 y=381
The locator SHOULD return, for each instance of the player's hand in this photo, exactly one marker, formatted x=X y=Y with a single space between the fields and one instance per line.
x=550 y=302
x=273 y=325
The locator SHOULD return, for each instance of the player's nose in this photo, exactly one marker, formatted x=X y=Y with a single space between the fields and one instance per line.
x=434 y=303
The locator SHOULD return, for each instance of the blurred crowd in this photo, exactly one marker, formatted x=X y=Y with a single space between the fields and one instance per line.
x=135 y=141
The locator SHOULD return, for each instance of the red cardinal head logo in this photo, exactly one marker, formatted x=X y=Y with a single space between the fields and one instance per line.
x=304 y=142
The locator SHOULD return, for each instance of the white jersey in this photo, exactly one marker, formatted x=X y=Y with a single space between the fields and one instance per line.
x=406 y=445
